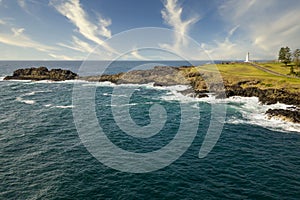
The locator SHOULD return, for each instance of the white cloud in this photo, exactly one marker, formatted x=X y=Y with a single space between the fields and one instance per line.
x=78 y=45
x=135 y=53
x=226 y=48
x=73 y=10
x=264 y=26
x=17 y=37
x=17 y=31
x=22 y=4
x=172 y=16
x=103 y=24
x=2 y=22
x=60 y=57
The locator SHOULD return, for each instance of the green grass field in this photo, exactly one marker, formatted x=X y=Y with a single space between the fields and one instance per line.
x=279 y=67
x=235 y=72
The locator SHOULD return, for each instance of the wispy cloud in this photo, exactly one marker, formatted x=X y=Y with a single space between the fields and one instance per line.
x=73 y=11
x=223 y=49
x=265 y=26
x=60 y=57
x=22 y=4
x=2 y=22
x=135 y=53
x=172 y=16
x=17 y=37
x=78 y=45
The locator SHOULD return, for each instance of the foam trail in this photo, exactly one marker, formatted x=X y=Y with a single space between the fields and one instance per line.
x=63 y=107
x=31 y=102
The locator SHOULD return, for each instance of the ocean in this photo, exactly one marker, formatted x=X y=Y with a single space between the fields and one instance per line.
x=44 y=155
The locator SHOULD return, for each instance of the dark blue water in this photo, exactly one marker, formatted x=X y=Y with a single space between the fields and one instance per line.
x=42 y=156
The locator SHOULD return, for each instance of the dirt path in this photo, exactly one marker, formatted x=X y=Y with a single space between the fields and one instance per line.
x=272 y=72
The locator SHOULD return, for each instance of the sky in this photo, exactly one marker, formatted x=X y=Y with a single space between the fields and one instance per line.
x=72 y=29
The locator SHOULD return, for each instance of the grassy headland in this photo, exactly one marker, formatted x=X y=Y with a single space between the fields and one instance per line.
x=234 y=73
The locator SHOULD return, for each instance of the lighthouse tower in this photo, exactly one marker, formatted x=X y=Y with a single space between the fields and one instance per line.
x=247 y=57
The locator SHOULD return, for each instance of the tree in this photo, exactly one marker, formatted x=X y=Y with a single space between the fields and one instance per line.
x=285 y=55
x=296 y=56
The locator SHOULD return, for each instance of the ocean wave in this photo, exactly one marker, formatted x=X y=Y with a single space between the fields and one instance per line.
x=21 y=81
x=58 y=106
x=123 y=105
x=253 y=112
x=64 y=107
x=20 y=99
x=29 y=101
x=34 y=93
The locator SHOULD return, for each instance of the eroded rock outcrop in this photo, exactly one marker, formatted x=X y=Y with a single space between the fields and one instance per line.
x=286 y=115
x=160 y=76
x=42 y=73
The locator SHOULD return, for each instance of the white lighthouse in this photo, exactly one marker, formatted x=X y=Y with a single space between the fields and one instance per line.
x=247 y=57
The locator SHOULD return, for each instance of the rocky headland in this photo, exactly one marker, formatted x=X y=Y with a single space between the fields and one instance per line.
x=42 y=73
x=204 y=82
x=201 y=83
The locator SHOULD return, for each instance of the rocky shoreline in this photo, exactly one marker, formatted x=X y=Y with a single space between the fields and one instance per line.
x=185 y=75
x=290 y=115
x=42 y=73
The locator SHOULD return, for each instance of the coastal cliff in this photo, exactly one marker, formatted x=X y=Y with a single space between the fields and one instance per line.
x=42 y=73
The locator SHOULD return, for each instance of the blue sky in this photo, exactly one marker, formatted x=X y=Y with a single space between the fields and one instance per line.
x=71 y=29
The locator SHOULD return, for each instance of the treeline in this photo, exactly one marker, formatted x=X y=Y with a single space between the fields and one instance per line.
x=286 y=56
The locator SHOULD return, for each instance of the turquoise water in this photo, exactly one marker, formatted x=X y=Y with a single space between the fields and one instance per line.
x=42 y=156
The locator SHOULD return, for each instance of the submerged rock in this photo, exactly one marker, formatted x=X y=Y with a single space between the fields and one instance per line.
x=42 y=73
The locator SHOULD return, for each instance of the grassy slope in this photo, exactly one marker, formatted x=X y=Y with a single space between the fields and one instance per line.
x=236 y=72
x=279 y=67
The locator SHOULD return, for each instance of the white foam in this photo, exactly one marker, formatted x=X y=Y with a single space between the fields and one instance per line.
x=177 y=87
x=73 y=81
x=124 y=105
x=22 y=81
x=2 y=78
x=58 y=106
x=30 y=93
x=31 y=102
x=98 y=84
x=63 y=107
x=51 y=82
x=253 y=112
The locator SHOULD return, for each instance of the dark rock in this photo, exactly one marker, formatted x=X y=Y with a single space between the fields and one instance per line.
x=42 y=73
x=192 y=93
x=286 y=115
x=159 y=75
x=266 y=96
